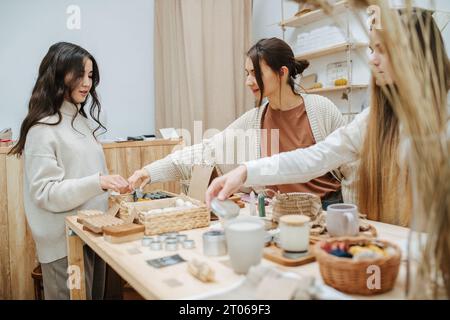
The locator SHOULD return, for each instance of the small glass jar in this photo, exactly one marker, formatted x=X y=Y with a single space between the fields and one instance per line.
x=156 y=245
x=188 y=244
x=161 y=237
x=147 y=241
x=214 y=243
x=181 y=237
x=171 y=245
x=294 y=233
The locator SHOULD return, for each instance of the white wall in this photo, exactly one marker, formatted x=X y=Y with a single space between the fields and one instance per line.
x=118 y=33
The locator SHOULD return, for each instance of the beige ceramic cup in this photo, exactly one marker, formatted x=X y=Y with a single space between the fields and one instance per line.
x=342 y=220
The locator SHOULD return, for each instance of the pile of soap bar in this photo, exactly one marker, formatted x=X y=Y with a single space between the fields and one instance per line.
x=180 y=205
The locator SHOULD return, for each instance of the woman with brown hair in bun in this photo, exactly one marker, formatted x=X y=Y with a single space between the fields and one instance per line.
x=288 y=119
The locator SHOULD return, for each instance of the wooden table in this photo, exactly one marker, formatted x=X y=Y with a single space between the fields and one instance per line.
x=174 y=282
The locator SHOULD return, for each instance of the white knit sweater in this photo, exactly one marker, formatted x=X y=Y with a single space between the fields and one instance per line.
x=324 y=118
x=302 y=165
x=62 y=168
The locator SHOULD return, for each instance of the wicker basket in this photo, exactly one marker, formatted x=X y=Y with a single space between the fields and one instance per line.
x=350 y=276
x=123 y=199
x=296 y=203
x=193 y=218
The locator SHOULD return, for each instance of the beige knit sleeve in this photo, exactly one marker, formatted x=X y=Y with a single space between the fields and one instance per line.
x=178 y=164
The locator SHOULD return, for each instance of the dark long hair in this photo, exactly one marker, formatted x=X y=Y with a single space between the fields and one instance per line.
x=50 y=89
x=276 y=53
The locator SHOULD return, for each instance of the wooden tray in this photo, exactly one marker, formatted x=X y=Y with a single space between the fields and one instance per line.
x=371 y=233
x=275 y=254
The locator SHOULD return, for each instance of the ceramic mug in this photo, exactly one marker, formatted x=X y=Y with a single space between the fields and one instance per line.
x=342 y=220
x=245 y=242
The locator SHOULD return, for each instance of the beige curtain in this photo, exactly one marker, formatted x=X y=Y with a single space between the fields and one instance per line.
x=200 y=48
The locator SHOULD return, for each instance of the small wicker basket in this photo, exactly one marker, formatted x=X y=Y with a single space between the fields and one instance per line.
x=192 y=218
x=122 y=199
x=353 y=277
x=296 y=203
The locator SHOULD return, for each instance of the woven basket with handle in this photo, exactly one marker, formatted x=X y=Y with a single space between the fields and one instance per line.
x=306 y=204
x=356 y=277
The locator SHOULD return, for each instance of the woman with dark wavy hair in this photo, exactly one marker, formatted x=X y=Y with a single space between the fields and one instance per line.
x=64 y=165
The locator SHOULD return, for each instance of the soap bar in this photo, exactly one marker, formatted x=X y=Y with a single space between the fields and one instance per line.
x=83 y=214
x=123 y=230
x=123 y=233
x=201 y=270
x=97 y=223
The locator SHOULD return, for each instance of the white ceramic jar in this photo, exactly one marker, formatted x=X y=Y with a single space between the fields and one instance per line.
x=294 y=232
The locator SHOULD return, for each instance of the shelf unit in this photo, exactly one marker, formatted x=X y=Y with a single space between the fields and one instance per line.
x=304 y=19
x=338 y=88
x=340 y=7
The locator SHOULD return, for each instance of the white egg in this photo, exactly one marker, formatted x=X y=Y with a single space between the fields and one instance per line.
x=167 y=209
x=179 y=202
x=188 y=204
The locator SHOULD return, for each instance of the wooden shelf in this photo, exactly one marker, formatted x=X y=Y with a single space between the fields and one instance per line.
x=330 y=50
x=338 y=88
x=131 y=144
x=312 y=16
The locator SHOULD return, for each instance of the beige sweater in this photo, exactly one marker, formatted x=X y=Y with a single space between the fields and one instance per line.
x=62 y=168
x=324 y=118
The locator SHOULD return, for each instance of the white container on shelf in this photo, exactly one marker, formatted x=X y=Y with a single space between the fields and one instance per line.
x=301 y=44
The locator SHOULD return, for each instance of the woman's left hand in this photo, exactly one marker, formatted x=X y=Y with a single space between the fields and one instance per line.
x=114 y=182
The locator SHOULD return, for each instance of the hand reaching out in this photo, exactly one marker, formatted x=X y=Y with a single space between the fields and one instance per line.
x=115 y=182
